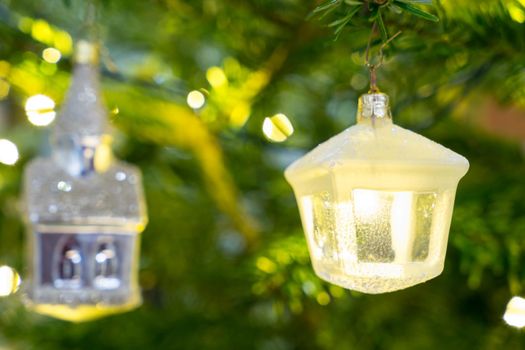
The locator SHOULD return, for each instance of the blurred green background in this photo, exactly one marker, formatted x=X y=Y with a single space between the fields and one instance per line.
x=224 y=263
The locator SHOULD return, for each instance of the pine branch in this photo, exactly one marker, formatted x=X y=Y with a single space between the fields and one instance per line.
x=343 y=12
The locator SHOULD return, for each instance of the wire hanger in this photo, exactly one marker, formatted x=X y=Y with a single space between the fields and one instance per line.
x=372 y=67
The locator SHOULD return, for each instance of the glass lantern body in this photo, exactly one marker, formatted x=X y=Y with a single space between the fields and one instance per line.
x=376 y=203
x=84 y=240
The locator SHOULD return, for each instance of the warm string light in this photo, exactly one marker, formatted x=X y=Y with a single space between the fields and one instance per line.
x=277 y=128
x=517 y=12
x=51 y=55
x=9 y=281
x=40 y=110
x=216 y=77
x=515 y=312
x=45 y=33
x=195 y=99
x=8 y=152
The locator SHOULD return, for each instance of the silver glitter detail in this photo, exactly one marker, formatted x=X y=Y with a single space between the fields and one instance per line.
x=83 y=113
x=95 y=199
x=120 y=176
x=64 y=186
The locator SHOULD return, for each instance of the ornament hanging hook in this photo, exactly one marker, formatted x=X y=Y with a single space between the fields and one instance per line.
x=372 y=67
x=90 y=28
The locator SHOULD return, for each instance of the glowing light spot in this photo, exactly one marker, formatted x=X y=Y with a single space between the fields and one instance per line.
x=240 y=114
x=8 y=152
x=42 y=31
x=266 y=265
x=195 y=99
x=9 y=281
x=51 y=55
x=516 y=13
x=4 y=89
x=277 y=128
x=515 y=313
x=40 y=110
x=256 y=81
x=323 y=298
x=216 y=77
x=63 y=42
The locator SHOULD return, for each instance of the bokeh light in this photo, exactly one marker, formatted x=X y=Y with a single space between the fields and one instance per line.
x=63 y=42
x=216 y=77
x=8 y=152
x=517 y=12
x=9 y=281
x=40 y=110
x=515 y=313
x=42 y=31
x=277 y=128
x=240 y=114
x=51 y=55
x=45 y=33
x=195 y=99
x=323 y=298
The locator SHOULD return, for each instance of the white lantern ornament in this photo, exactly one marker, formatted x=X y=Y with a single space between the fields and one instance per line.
x=85 y=211
x=376 y=202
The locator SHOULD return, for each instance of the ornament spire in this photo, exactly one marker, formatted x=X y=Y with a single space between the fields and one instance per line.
x=83 y=113
x=81 y=142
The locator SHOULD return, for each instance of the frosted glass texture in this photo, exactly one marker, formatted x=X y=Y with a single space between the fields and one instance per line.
x=376 y=204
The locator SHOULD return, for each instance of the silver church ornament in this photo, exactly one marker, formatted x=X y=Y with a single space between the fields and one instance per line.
x=85 y=211
x=376 y=201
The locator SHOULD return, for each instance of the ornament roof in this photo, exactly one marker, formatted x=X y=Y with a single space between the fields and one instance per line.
x=113 y=199
x=381 y=144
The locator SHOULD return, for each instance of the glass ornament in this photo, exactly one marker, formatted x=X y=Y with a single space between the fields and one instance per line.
x=376 y=202
x=85 y=211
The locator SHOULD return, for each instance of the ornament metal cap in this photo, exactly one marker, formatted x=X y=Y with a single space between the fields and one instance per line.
x=373 y=106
